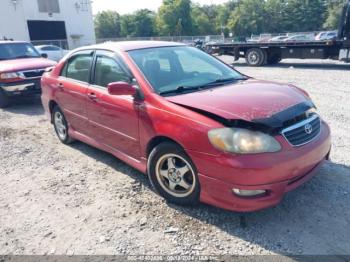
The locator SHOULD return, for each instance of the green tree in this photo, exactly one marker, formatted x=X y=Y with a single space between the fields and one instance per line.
x=274 y=13
x=174 y=15
x=224 y=11
x=274 y=16
x=241 y=17
x=333 y=14
x=127 y=25
x=248 y=18
x=303 y=15
x=139 y=24
x=144 y=23
x=107 y=24
x=204 y=19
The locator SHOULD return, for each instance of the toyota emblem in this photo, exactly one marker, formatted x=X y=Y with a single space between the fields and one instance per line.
x=308 y=129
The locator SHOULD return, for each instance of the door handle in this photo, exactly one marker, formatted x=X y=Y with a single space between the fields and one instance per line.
x=60 y=86
x=92 y=96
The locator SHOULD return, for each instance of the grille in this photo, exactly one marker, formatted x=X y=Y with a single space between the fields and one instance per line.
x=303 y=132
x=33 y=73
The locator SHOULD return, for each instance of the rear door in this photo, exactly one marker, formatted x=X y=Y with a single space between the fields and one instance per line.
x=114 y=120
x=72 y=88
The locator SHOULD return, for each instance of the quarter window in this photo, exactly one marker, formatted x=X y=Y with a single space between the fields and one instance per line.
x=108 y=71
x=78 y=67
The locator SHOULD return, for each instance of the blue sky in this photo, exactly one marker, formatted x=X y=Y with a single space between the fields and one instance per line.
x=128 y=6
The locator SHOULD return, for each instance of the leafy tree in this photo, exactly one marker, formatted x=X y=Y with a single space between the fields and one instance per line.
x=248 y=18
x=241 y=17
x=303 y=15
x=127 y=25
x=333 y=14
x=144 y=23
x=141 y=24
x=204 y=19
x=107 y=24
x=174 y=17
x=274 y=14
x=223 y=14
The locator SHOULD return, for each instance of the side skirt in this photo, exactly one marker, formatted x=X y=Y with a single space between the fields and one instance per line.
x=140 y=165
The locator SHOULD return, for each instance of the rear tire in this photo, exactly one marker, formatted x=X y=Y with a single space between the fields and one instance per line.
x=4 y=100
x=173 y=175
x=255 y=57
x=61 y=126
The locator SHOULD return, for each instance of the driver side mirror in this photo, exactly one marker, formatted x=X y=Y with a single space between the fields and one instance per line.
x=44 y=55
x=121 y=89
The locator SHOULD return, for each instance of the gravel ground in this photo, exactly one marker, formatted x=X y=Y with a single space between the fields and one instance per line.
x=57 y=199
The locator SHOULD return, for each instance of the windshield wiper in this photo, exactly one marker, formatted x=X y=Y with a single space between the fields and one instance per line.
x=217 y=82
x=223 y=81
x=181 y=89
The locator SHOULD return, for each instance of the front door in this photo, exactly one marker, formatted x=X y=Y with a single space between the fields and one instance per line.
x=114 y=120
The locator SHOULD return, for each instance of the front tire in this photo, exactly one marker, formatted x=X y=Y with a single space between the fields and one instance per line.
x=4 y=100
x=61 y=126
x=173 y=175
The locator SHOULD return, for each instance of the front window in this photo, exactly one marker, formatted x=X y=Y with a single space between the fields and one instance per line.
x=172 y=70
x=17 y=50
x=108 y=71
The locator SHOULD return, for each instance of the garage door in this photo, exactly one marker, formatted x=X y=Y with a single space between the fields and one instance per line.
x=47 y=30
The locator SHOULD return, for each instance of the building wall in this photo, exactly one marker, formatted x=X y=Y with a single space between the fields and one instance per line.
x=77 y=15
x=13 y=24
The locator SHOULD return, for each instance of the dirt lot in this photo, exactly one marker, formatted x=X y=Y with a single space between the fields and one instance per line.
x=57 y=199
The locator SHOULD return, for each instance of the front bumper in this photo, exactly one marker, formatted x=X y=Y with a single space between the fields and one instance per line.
x=22 y=88
x=278 y=173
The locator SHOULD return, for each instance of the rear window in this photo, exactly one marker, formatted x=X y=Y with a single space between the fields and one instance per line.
x=17 y=50
x=78 y=67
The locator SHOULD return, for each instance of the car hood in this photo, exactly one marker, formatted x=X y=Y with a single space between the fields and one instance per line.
x=25 y=64
x=247 y=100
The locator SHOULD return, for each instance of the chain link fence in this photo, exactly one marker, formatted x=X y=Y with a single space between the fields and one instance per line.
x=64 y=44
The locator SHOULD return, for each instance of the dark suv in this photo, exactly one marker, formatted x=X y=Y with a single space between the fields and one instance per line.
x=21 y=67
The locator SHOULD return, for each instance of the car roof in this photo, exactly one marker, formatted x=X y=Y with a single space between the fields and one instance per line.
x=132 y=45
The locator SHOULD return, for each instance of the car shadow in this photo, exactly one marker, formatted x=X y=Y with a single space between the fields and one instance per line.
x=30 y=106
x=312 y=66
x=301 y=224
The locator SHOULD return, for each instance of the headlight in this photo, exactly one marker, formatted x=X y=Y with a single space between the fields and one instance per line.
x=242 y=141
x=11 y=75
x=311 y=112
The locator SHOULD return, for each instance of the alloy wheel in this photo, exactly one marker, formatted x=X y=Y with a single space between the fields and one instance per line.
x=175 y=175
x=60 y=125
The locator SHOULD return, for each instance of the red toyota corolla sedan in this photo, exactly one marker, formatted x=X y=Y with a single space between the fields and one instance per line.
x=201 y=130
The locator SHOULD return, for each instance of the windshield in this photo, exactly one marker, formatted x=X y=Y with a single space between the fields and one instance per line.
x=17 y=50
x=178 y=69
